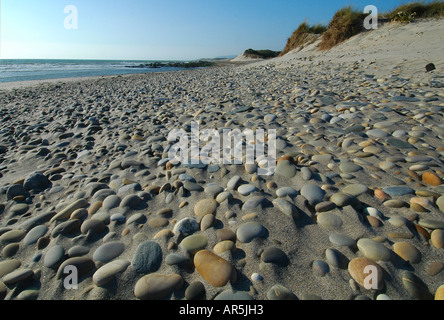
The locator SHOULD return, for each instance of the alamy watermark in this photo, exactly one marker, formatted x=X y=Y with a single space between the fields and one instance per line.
x=187 y=148
x=71 y=21
x=371 y=21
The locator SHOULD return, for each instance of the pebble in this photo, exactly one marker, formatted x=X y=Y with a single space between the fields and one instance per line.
x=286 y=207
x=248 y=231
x=107 y=272
x=157 y=286
x=205 y=206
x=373 y=250
x=195 y=291
x=313 y=194
x=214 y=269
x=415 y=286
x=437 y=238
x=327 y=220
x=194 y=243
x=357 y=270
x=407 y=252
x=147 y=258
x=108 y=251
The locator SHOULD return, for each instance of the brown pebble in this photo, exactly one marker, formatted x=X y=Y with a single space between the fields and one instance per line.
x=431 y=179
x=125 y=232
x=434 y=268
x=374 y=222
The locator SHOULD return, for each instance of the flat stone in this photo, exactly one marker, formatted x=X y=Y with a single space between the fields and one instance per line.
x=395 y=203
x=275 y=255
x=110 y=202
x=336 y=258
x=7 y=266
x=357 y=269
x=313 y=194
x=355 y=189
x=342 y=199
x=373 y=250
x=54 y=256
x=399 y=143
x=434 y=268
x=19 y=209
x=194 y=243
x=214 y=269
x=246 y=189
x=229 y=295
x=431 y=223
x=223 y=246
x=341 y=240
x=12 y=236
x=78 y=251
x=415 y=286
x=67 y=227
x=286 y=191
x=195 y=291
x=68 y=210
x=398 y=221
x=349 y=167
x=437 y=238
x=17 y=276
x=177 y=259
x=108 y=251
x=131 y=201
x=377 y=133
x=205 y=206
x=92 y=226
x=233 y=183
x=325 y=206
x=249 y=231
x=399 y=191
x=253 y=203
x=329 y=220
x=407 y=252
x=34 y=234
x=107 y=272
x=431 y=179
x=157 y=286
x=286 y=168
x=148 y=257
x=286 y=207
x=320 y=268
x=279 y=292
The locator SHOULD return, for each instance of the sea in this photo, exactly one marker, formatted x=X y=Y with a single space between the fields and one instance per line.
x=12 y=70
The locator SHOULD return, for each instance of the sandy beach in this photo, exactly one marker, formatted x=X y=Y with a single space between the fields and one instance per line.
x=86 y=179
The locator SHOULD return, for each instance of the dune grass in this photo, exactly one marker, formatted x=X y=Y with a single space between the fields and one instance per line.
x=416 y=10
x=303 y=35
x=346 y=23
x=349 y=21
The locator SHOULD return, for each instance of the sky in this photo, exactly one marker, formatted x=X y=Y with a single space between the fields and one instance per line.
x=157 y=29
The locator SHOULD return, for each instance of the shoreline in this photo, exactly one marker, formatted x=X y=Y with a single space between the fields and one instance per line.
x=8 y=86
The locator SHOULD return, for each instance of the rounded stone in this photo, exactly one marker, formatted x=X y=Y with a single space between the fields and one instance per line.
x=349 y=167
x=194 y=243
x=214 y=269
x=329 y=220
x=275 y=255
x=205 y=206
x=34 y=234
x=93 y=226
x=286 y=191
x=186 y=227
x=439 y=294
x=108 y=251
x=373 y=250
x=286 y=207
x=249 y=231
x=336 y=258
x=157 y=286
x=279 y=292
x=246 y=189
x=110 y=202
x=407 y=252
x=359 y=267
x=17 y=276
x=12 y=236
x=431 y=178
x=320 y=268
x=229 y=295
x=195 y=291
x=355 y=189
x=415 y=286
x=342 y=240
x=223 y=246
x=341 y=199
x=148 y=257
x=437 y=238
x=7 y=266
x=54 y=256
x=286 y=168
x=107 y=272
x=313 y=193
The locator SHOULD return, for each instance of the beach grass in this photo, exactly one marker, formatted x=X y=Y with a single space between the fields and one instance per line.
x=303 y=35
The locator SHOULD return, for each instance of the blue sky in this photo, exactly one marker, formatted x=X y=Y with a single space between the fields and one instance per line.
x=158 y=29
